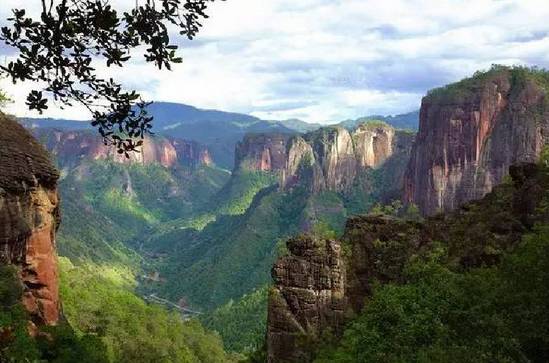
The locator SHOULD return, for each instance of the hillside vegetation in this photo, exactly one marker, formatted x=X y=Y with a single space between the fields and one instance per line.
x=476 y=293
x=107 y=208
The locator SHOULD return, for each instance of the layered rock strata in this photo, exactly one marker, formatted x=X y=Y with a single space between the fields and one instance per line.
x=308 y=297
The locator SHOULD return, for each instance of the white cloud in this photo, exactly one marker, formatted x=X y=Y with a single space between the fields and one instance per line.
x=326 y=60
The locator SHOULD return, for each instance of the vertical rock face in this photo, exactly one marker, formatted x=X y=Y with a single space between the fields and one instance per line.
x=307 y=299
x=335 y=155
x=330 y=158
x=70 y=147
x=299 y=158
x=29 y=217
x=265 y=152
x=191 y=153
x=469 y=135
x=374 y=144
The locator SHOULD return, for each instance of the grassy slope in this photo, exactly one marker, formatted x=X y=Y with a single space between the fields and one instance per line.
x=100 y=300
x=230 y=256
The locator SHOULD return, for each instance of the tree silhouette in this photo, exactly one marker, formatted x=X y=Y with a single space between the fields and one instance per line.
x=62 y=47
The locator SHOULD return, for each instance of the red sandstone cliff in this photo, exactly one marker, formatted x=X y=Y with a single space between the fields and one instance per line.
x=471 y=132
x=70 y=147
x=29 y=217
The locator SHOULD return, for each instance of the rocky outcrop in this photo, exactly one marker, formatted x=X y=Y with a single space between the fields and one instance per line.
x=29 y=217
x=330 y=158
x=307 y=299
x=300 y=158
x=471 y=132
x=191 y=153
x=71 y=147
x=318 y=287
x=334 y=155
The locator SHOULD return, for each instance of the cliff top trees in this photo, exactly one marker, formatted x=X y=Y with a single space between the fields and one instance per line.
x=61 y=48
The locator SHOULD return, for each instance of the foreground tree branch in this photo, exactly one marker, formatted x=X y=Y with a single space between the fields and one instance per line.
x=62 y=47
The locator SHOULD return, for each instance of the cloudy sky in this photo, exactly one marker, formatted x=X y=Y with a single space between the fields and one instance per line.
x=329 y=60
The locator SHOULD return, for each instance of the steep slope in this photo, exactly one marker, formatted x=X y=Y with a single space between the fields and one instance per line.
x=32 y=326
x=328 y=159
x=472 y=131
x=169 y=178
x=262 y=152
x=321 y=283
x=29 y=217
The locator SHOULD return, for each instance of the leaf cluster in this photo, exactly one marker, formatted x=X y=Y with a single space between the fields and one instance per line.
x=62 y=47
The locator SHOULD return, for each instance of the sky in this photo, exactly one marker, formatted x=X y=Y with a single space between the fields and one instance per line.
x=327 y=60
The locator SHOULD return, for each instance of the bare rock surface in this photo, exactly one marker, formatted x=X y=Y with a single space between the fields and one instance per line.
x=29 y=218
x=470 y=133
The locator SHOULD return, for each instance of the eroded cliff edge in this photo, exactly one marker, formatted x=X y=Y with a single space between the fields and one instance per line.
x=470 y=133
x=29 y=218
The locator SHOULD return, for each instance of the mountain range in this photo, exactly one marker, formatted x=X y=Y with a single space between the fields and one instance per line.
x=218 y=130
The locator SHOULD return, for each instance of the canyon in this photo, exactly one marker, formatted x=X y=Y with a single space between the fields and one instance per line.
x=472 y=135
x=478 y=140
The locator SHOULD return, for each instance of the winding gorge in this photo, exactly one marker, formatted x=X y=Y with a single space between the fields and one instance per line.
x=288 y=255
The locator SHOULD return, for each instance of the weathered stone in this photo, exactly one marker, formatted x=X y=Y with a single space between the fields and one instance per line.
x=307 y=299
x=29 y=217
x=335 y=155
x=265 y=152
x=318 y=288
x=373 y=144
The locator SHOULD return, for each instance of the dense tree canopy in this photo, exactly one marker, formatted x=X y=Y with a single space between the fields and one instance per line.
x=61 y=48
